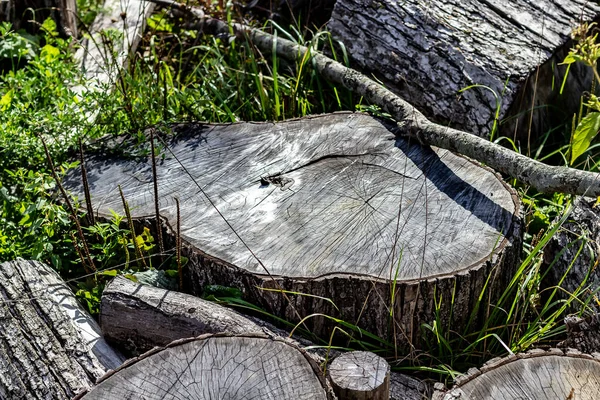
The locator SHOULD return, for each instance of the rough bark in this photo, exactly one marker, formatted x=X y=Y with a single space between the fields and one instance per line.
x=360 y=375
x=335 y=206
x=544 y=178
x=535 y=375
x=429 y=51
x=583 y=334
x=218 y=367
x=100 y=59
x=29 y=14
x=572 y=255
x=50 y=348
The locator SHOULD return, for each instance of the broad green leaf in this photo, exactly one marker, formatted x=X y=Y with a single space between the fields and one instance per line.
x=584 y=134
x=6 y=100
x=110 y=272
x=50 y=53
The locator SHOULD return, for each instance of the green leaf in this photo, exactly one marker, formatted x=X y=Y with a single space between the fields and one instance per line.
x=110 y=272
x=50 y=53
x=6 y=100
x=584 y=134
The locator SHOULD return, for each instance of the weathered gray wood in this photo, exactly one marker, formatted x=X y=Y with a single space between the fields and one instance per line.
x=351 y=198
x=218 y=367
x=50 y=348
x=140 y=317
x=571 y=256
x=535 y=375
x=427 y=52
x=101 y=62
x=360 y=375
x=21 y=12
x=404 y=387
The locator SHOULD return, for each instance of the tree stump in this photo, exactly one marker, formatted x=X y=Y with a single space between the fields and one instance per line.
x=336 y=206
x=29 y=14
x=535 y=375
x=427 y=52
x=50 y=348
x=360 y=375
x=217 y=367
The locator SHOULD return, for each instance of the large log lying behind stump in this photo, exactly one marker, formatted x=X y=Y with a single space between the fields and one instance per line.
x=218 y=367
x=334 y=206
x=535 y=375
x=50 y=348
x=427 y=51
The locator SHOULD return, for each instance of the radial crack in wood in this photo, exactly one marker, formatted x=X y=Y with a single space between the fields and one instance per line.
x=360 y=375
x=336 y=206
x=535 y=375
x=218 y=367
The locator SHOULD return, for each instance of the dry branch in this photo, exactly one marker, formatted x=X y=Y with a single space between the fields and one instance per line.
x=543 y=177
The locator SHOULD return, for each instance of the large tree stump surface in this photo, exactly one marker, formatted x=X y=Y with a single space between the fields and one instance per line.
x=333 y=205
x=537 y=374
x=217 y=367
x=50 y=348
x=428 y=51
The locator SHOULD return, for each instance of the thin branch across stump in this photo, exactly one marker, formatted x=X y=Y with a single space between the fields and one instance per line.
x=334 y=206
x=217 y=367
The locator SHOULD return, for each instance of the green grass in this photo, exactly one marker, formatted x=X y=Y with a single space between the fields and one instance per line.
x=181 y=76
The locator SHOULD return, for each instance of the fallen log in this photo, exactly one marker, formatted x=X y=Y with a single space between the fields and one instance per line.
x=335 y=206
x=545 y=178
x=138 y=318
x=429 y=51
x=537 y=374
x=217 y=367
x=50 y=348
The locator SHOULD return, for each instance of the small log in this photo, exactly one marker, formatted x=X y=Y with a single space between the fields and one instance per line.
x=218 y=367
x=427 y=52
x=50 y=347
x=536 y=375
x=360 y=375
x=336 y=206
x=140 y=317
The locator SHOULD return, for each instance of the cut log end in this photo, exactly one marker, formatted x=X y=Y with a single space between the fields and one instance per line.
x=218 y=367
x=360 y=375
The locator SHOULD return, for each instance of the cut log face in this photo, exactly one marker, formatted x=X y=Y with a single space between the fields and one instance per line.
x=536 y=375
x=334 y=197
x=217 y=367
x=50 y=348
x=427 y=52
x=360 y=375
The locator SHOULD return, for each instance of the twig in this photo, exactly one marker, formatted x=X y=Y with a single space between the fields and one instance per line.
x=412 y=123
x=161 y=247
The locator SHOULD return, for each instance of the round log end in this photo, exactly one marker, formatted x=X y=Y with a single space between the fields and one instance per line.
x=360 y=375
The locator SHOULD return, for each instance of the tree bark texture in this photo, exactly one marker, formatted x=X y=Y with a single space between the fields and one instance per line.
x=29 y=14
x=571 y=256
x=427 y=52
x=217 y=367
x=335 y=206
x=535 y=375
x=583 y=334
x=50 y=348
x=360 y=375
